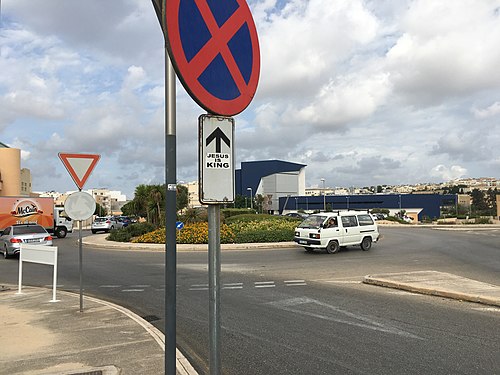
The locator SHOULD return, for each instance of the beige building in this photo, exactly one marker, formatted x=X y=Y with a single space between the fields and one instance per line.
x=498 y=206
x=464 y=200
x=10 y=171
x=26 y=182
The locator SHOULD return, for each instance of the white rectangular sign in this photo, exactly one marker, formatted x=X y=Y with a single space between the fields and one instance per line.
x=42 y=255
x=216 y=159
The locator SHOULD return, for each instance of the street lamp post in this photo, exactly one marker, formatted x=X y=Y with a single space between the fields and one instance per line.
x=324 y=197
x=347 y=203
x=296 y=204
x=251 y=197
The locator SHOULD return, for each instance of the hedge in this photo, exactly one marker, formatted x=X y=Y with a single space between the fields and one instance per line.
x=270 y=230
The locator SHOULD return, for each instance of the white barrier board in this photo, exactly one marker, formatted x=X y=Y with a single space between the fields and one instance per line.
x=41 y=255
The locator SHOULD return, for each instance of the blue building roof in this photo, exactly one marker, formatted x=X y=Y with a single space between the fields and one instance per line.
x=430 y=203
x=252 y=172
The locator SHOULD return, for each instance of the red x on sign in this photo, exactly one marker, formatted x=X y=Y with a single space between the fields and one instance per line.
x=214 y=48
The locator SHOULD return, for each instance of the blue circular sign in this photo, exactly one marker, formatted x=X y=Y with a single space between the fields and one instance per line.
x=214 y=48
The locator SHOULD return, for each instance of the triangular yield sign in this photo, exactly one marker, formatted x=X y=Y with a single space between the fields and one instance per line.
x=79 y=166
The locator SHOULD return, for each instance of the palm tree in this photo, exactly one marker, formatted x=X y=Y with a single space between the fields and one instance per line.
x=140 y=200
x=156 y=199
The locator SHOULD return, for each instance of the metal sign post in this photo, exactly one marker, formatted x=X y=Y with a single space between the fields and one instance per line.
x=216 y=174
x=214 y=288
x=80 y=206
x=214 y=49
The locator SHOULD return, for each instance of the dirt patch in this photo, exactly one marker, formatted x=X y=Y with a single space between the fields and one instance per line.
x=19 y=336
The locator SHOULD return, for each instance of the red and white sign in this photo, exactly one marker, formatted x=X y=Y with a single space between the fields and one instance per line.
x=79 y=166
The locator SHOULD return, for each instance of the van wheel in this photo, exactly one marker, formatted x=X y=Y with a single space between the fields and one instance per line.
x=366 y=244
x=333 y=247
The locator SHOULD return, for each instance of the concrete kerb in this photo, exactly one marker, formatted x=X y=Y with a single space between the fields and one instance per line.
x=474 y=293
x=99 y=240
x=183 y=366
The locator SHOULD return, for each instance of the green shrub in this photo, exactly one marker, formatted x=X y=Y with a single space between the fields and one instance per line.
x=257 y=217
x=133 y=230
x=274 y=229
x=194 y=233
x=254 y=236
x=266 y=228
x=229 y=212
x=483 y=220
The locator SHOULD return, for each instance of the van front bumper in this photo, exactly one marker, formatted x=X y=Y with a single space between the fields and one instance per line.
x=307 y=241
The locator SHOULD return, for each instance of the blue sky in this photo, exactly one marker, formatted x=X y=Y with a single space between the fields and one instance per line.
x=363 y=92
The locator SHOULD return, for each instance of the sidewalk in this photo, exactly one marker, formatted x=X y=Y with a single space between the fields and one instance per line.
x=42 y=337
x=439 y=284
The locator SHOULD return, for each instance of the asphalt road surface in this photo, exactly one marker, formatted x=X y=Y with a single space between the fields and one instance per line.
x=290 y=312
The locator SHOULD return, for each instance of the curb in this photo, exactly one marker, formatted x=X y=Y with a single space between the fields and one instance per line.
x=98 y=241
x=183 y=366
x=431 y=291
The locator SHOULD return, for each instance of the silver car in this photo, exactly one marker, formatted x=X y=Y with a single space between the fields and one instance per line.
x=12 y=237
x=105 y=224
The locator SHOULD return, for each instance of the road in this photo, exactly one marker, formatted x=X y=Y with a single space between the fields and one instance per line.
x=291 y=312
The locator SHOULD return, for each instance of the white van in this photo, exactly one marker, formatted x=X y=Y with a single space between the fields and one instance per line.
x=331 y=230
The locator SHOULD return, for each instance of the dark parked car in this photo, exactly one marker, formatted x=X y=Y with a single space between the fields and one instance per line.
x=125 y=220
x=12 y=237
x=297 y=215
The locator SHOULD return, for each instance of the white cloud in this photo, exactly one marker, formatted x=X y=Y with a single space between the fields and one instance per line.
x=446 y=49
x=446 y=174
x=361 y=91
x=490 y=111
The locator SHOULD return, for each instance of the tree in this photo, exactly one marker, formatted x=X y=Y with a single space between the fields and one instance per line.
x=478 y=201
x=491 y=199
x=99 y=210
x=240 y=201
x=128 y=209
x=156 y=200
x=140 y=201
x=182 y=197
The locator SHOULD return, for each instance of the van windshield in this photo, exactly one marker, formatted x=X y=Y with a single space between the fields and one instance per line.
x=312 y=221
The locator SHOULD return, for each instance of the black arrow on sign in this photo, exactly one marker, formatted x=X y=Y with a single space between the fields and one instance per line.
x=218 y=135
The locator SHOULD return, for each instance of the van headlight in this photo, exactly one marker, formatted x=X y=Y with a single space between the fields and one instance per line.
x=297 y=234
x=314 y=235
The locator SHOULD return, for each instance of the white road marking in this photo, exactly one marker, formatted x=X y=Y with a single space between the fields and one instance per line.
x=357 y=319
x=140 y=286
x=110 y=286
x=233 y=286
x=132 y=290
x=199 y=287
x=264 y=284
x=295 y=282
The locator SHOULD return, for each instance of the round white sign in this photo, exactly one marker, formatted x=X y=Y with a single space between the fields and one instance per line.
x=80 y=206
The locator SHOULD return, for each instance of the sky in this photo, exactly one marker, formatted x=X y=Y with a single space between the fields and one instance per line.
x=362 y=92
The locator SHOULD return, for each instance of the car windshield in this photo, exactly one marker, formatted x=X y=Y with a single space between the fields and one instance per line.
x=312 y=221
x=28 y=230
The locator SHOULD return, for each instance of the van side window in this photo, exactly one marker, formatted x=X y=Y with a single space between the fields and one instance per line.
x=349 y=221
x=365 y=220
